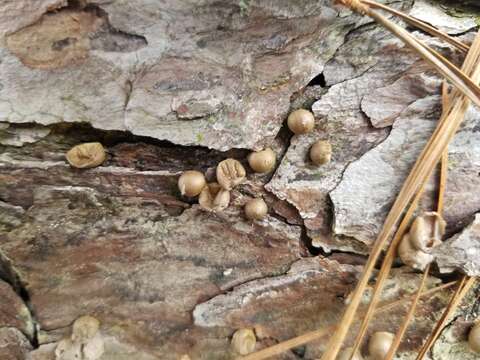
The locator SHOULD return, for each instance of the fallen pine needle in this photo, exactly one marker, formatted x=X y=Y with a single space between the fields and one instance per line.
x=419 y=24
x=392 y=250
x=464 y=286
x=406 y=321
x=447 y=69
x=318 y=334
x=384 y=271
x=422 y=169
x=443 y=180
x=444 y=161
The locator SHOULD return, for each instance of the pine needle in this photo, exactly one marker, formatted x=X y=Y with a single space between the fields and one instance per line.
x=384 y=271
x=320 y=333
x=419 y=24
x=443 y=182
x=406 y=321
x=462 y=290
x=444 y=161
x=392 y=250
x=443 y=177
x=448 y=70
x=422 y=169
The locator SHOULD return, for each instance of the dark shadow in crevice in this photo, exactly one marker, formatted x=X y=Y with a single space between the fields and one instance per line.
x=25 y=296
x=300 y=351
x=306 y=242
x=318 y=80
x=9 y=275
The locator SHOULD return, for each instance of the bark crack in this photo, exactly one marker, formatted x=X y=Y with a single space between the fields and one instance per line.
x=10 y=275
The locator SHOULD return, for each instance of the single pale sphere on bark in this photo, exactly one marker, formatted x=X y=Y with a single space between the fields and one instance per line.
x=346 y=353
x=262 y=161
x=301 y=121
x=87 y=155
x=230 y=173
x=214 y=198
x=85 y=328
x=379 y=344
x=256 y=209
x=191 y=183
x=474 y=337
x=243 y=341
x=321 y=152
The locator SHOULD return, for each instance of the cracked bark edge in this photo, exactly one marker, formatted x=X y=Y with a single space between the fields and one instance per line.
x=11 y=276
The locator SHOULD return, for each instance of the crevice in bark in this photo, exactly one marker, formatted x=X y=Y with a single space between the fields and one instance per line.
x=128 y=93
x=307 y=242
x=10 y=275
x=445 y=328
x=299 y=351
x=231 y=288
x=77 y=132
x=318 y=80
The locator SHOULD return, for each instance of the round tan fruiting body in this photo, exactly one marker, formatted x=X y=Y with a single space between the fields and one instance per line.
x=379 y=344
x=301 y=121
x=243 y=341
x=321 y=152
x=86 y=155
x=474 y=337
x=416 y=259
x=214 y=198
x=345 y=354
x=85 y=328
x=427 y=231
x=230 y=173
x=262 y=161
x=191 y=183
x=256 y=209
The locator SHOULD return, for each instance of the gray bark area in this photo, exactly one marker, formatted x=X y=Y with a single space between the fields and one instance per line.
x=178 y=85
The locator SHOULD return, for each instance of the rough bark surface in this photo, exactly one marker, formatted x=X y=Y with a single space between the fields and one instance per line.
x=179 y=85
x=461 y=251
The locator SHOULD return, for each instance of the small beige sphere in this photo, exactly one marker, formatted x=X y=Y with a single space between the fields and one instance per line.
x=346 y=353
x=412 y=257
x=256 y=209
x=87 y=155
x=214 y=198
x=85 y=328
x=243 y=341
x=301 y=121
x=262 y=161
x=379 y=344
x=230 y=173
x=321 y=152
x=191 y=183
x=474 y=337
